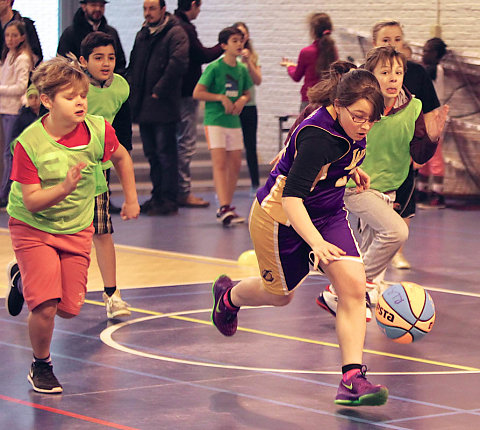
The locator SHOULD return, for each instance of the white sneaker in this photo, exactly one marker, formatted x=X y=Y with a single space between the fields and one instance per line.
x=115 y=306
x=400 y=262
x=372 y=292
x=328 y=300
x=376 y=289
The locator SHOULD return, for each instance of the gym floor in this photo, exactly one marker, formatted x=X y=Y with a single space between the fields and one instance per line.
x=167 y=367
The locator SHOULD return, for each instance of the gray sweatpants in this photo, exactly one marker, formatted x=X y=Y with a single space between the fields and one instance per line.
x=382 y=230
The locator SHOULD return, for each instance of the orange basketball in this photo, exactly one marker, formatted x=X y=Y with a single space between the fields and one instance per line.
x=405 y=312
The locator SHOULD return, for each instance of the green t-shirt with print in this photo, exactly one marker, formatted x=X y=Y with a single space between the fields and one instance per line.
x=220 y=78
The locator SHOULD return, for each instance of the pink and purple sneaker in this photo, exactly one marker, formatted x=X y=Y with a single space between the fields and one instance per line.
x=357 y=391
x=223 y=318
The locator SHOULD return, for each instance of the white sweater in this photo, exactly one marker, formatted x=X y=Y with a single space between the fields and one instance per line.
x=13 y=82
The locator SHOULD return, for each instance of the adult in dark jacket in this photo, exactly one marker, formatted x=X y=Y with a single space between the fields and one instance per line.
x=187 y=11
x=90 y=17
x=158 y=61
x=7 y=14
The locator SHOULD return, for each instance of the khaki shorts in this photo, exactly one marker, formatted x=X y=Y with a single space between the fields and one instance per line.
x=230 y=139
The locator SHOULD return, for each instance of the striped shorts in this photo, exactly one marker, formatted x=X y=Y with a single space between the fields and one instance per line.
x=102 y=221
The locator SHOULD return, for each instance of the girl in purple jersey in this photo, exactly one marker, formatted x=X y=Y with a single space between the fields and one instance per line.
x=299 y=212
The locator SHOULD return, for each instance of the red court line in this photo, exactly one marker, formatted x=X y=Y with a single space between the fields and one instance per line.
x=66 y=413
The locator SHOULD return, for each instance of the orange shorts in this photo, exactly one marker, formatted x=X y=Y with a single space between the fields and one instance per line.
x=52 y=266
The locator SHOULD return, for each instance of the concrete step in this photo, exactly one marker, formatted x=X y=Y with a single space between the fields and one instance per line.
x=200 y=167
x=202 y=185
x=202 y=176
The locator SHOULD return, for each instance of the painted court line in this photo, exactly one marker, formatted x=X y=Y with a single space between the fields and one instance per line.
x=202 y=387
x=106 y=337
x=383 y=424
x=66 y=413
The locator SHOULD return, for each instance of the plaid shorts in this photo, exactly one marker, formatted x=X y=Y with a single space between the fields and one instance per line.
x=102 y=221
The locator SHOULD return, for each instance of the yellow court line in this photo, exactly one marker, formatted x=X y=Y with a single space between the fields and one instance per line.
x=298 y=339
x=180 y=255
x=201 y=258
x=270 y=334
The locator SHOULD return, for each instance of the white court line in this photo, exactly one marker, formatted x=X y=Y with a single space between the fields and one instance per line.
x=106 y=337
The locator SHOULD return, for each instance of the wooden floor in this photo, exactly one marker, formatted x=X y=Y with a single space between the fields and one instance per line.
x=166 y=367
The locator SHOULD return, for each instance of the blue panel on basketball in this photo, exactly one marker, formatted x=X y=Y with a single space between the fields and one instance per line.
x=397 y=298
x=416 y=333
x=429 y=310
x=391 y=332
x=405 y=312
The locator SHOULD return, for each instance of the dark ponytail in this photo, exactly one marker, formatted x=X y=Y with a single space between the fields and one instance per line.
x=324 y=92
x=321 y=29
x=345 y=84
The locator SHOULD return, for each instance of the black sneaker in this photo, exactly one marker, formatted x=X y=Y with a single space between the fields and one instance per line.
x=42 y=378
x=114 y=209
x=14 y=300
x=421 y=196
x=166 y=208
x=437 y=201
x=146 y=205
x=227 y=216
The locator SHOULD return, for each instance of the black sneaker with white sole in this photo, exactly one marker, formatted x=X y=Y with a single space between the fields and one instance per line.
x=14 y=300
x=227 y=216
x=42 y=378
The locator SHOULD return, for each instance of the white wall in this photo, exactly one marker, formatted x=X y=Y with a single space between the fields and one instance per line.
x=278 y=28
x=45 y=15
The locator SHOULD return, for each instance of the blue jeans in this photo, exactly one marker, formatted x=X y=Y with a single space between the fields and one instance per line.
x=160 y=148
x=186 y=140
x=7 y=124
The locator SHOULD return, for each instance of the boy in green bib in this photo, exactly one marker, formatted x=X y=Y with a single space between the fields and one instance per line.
x=56 y=174
x=402 y=134
x=107 y=97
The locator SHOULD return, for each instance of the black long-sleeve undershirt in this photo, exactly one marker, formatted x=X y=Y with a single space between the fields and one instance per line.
x=315 y=148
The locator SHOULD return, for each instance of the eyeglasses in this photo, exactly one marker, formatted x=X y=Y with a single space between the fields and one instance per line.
x=358 y=120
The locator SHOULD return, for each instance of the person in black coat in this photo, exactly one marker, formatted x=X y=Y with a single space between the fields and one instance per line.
x=187 y=11
x=90 y=17
x=158 y=61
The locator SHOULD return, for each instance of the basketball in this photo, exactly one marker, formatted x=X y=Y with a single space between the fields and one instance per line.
x=248 y=258
x=405 y=312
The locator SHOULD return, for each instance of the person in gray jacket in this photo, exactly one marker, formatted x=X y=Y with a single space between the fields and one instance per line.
x=158 y=60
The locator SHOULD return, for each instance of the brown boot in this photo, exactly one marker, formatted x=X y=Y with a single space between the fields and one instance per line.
x=192 y=201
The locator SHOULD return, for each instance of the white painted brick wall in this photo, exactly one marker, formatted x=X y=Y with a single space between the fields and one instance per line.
x=45 y=15
x=278 y=28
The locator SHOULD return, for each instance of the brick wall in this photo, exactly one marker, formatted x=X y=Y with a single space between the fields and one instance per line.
x=45 y=15
x=278 y=28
